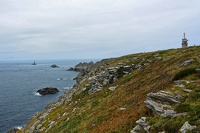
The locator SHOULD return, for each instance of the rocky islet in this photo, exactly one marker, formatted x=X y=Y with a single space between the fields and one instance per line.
x=47 y=90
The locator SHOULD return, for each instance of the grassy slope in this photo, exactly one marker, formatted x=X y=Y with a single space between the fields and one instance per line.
x=101 y=112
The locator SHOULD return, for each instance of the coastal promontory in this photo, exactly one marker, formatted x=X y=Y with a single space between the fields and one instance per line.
x=139 y=93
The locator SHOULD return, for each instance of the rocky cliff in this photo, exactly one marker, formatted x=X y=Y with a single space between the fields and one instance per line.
x=145 y=92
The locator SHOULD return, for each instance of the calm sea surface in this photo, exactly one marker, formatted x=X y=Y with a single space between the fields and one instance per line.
x=19 y=81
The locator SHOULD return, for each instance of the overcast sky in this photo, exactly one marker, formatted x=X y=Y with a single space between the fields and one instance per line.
x=78 y=29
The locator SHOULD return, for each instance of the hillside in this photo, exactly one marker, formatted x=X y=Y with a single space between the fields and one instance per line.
x=145 y=92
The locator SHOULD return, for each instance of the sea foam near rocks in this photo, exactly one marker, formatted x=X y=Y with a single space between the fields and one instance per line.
x=66 y=88
x=37 y=94
x=19 y=127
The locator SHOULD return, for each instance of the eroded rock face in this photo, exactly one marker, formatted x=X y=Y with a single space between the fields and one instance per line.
x=156 y=107
x=160 y=103
x=142 y=126
x=110 y=75
x=82 y=67
x=48 y=90
x=186 y=63
x=104 y=78
x=187 y=127
x=127 y=69
x=165 y=97
x=95 y=85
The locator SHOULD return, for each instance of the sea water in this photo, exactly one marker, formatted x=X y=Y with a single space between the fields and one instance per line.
x=19 y=81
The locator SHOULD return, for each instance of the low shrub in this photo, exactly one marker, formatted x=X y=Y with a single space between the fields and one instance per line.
x=194 y=95
x=184 y=73
x=120 y=72
x=195 y=114
x=168 y=124
x=183 y=108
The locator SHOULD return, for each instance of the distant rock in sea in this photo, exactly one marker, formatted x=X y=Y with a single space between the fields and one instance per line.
x=54 y=66
x=48 y=90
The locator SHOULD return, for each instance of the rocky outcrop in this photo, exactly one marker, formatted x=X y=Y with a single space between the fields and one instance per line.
x=142 y=126
x=54 y=66
x=160 y=103
x=104 y=78
x=187 y=127
x=112 y=88
x=109 y=75
x=186 y=63
x=99 y=69
x=82 y=67
x=80 y=77
x=95 y=85
x=165 y=96
x=48 y=90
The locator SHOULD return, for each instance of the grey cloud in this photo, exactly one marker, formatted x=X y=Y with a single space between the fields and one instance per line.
x=103 y=28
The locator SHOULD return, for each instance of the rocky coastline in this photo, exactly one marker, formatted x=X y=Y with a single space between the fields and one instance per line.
x=13 y=130
x=83 y=69
x=111 y=76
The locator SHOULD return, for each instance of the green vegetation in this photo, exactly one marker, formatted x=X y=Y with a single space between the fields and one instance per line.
x=183 y=107
x=184 y=73
x=120 y=72
x=167 y=124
